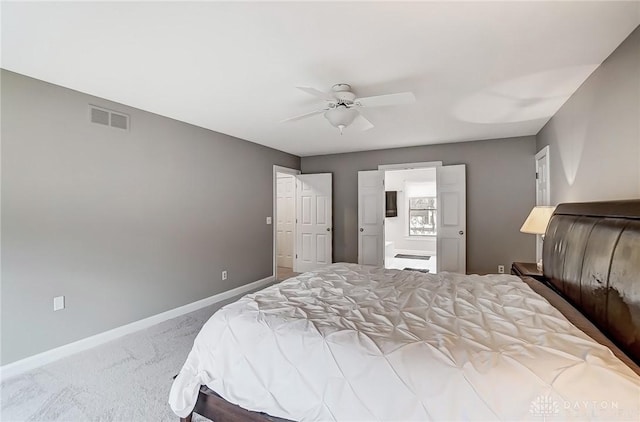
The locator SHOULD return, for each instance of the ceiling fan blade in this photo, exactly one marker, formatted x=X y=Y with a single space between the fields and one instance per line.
x=386 y=100
x=361 y=123
x=303 y=116
x=316 y=93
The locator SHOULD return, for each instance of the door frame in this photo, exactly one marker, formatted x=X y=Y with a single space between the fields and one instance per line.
x=406 y=166
x=400 y=166
x=544 y=152
x=410 y=166
x=274 y=221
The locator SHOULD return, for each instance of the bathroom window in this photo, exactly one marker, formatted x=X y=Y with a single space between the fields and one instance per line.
x=422 y=216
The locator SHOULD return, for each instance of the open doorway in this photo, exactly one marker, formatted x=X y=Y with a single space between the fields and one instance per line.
x=314 y=210
x=543 y=189
x=410 y=228
x=302 y=231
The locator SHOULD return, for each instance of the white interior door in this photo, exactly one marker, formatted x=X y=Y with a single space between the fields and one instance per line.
x=543 y=189
x=285 y=219
x=314 y=219
x=371 y=217
x=452 y=219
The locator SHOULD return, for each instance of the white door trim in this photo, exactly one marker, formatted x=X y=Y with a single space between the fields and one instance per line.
x=409 y=166
x=274 y=219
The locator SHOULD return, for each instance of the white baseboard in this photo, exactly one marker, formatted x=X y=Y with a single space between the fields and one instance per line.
x=35 y=361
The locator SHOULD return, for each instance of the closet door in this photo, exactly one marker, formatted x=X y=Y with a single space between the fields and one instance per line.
x=452 y=219
x=314 y=220
x=371 y=209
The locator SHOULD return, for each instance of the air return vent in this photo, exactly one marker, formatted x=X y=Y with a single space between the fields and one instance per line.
x=106 y=117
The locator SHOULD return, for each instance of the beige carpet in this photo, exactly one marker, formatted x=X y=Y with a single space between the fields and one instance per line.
x=283 y=273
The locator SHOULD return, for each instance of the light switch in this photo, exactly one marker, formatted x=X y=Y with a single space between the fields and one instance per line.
x=58 y=303
x=268 y=220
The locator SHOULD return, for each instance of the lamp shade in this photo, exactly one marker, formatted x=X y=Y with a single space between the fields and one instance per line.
x=538 y=219
x=341 y=116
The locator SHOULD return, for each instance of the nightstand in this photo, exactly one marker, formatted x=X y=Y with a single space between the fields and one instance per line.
x=529 y=269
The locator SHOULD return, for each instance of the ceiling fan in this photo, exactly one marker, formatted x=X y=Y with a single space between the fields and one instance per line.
x=343 y=107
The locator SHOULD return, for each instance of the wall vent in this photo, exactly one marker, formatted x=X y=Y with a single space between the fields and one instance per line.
x=106 y=117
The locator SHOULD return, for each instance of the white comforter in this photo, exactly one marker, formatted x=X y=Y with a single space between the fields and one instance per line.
x=350 y=342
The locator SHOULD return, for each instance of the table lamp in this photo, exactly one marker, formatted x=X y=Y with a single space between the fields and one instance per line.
x=537 y=222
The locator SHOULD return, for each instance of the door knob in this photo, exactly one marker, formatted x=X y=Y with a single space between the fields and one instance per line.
x=328 y=229
x=461 y=232
x=361 y=229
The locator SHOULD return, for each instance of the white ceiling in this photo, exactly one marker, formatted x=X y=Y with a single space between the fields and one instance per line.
x=479 y=70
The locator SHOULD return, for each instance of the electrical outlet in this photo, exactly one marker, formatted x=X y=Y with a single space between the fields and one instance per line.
x=224 y=275
x=268 y=220
x=500 y=269
x=58 y=303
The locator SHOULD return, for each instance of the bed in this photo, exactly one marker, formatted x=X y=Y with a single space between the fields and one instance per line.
x=350 y=342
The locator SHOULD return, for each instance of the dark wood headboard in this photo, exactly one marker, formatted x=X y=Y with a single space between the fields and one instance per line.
x=592 y=257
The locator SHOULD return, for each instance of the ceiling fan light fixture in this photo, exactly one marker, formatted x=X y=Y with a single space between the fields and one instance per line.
x=341 y=116
x=342 y=106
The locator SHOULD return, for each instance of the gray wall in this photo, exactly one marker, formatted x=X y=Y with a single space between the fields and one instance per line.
x=124 y=224
x=500 y=195
x=594 y=139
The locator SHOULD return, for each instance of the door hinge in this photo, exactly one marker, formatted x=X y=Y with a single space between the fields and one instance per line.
x=296 y=256
x=537 y=175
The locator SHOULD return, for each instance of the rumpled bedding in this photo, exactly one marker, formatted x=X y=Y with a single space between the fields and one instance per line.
x=352 y=342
